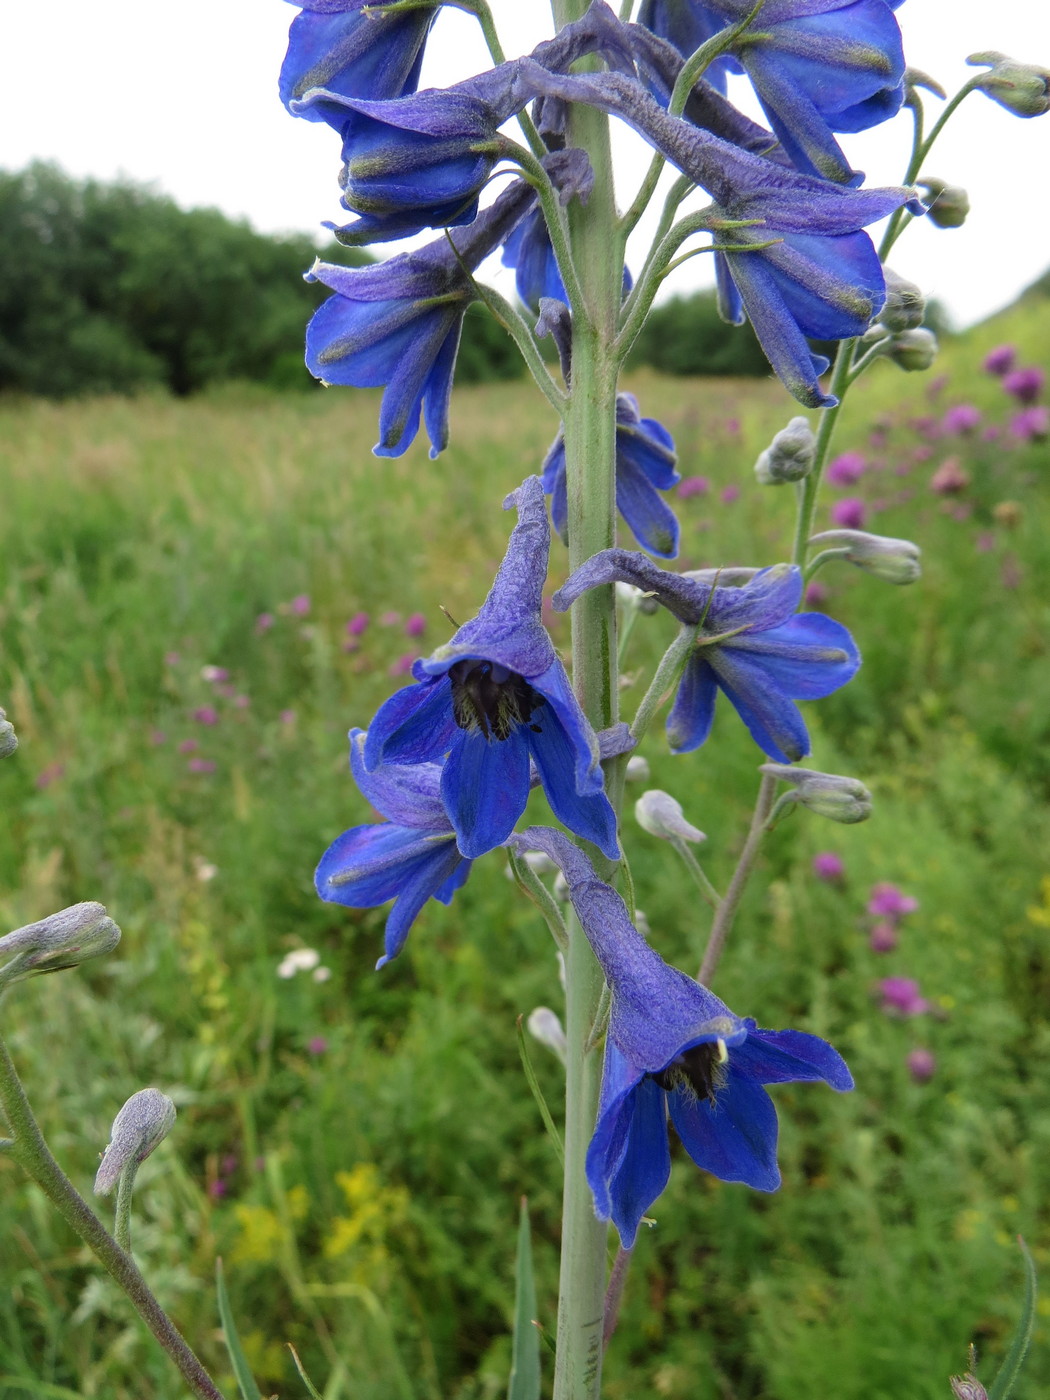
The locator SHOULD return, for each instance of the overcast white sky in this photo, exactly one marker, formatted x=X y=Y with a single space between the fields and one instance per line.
x=184 y=95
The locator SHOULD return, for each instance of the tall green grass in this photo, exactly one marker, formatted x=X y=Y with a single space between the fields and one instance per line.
x=355 y=1148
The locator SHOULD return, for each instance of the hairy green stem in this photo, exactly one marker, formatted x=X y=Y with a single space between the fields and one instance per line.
x=33 y=1154
x=663 y=683
x=726 y=912
x=809 y=488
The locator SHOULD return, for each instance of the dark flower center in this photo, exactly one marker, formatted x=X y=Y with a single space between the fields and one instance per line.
x=699 y=1070
x=489 y=698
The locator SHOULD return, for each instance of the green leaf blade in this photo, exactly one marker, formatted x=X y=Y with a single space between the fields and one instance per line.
x=525 y=1364
x=245 y=1380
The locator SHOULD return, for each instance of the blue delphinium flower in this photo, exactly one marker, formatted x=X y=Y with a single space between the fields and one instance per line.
x=337 y=46
x=645 y=466
x=751 y=645
x=397 y=324
x=821 y=277
x=410 y=858
x=673 y=1046
x=818 y=66
x=495 y=697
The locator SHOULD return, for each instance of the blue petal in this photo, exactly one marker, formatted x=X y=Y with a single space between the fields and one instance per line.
x=446 y=869
x=590 y=816
x=409 y=794
x=368 y=865
x=693 y=711
x=415 y=725
x=645 y=1164
x=736 y=1140
x=485 y=785
x=773 y=721
x=807 y=658
x=832 y=286
x=553 y=685
x=785 y=1057
x=609 y=1141
x=767 y=600
x=652 y=520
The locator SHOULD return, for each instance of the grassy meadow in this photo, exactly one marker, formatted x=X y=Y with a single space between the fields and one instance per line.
x=354 y=1144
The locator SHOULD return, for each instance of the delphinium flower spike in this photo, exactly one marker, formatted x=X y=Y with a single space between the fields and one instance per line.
x=672 y=1045
x=751 y=645
x=410 y=858
x=495 y=697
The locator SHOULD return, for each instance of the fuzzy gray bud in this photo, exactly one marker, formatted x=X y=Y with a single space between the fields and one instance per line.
x=968 y=1388
x=62 y=940
x=145 y=1120
x=905 y=305
x=1022 y=88
x=789 y=457
x=893 y=561
x=660 y=815
x=637 y=770
x=949 y=204
x=8 y=737
x=544 y=1026
x=911 y=350
x=830 y=795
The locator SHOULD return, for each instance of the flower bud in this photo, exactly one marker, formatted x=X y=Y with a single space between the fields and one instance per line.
x=637 y=770
x=145 y=1121
x=905 y=305
x=62 y=940
x=8 y=737
x=544 y=1026
x=789 y=457
x=1022 y=88
x=660 y=815
x=916 y=78
x=893 y=561
x=911 y=350
x=830 y=795
x=949 y=204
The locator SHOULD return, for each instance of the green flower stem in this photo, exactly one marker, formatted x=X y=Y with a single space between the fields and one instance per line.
x=809 y=488
x=590 y=446
x=703 y=884
x=555 y=218
x=533 y=888
x=32 y=1153
x=481 y=12
x=512 y=321
x=125 y=1192
x=824 y=557
x=663 y=683
x=726 y=912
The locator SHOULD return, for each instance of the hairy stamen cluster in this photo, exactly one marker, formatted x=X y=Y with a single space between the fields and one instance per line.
x=700 y=1069
x=489 y=698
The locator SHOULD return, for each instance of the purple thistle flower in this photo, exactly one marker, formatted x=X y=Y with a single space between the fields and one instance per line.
x=900 y=997
x=200 y=765
x=645 y=466
x=888 y=901
x=206 y=714
x=415 y=625
x=963 y=418
x=672 y=1045
x=337 y=47
x=397 y=324
x=922 y=1065
x=815 y=594
x=357 y=624
x=846 y=469
x=1025 y=384
x=751 y=645
x=409 y=858
x=264 y=622
x=1000 y=360
x=691 y=486
x=1031 y=424
x=829 y=867
x=817 y=67
x=883 y=938
x=729 y=494
x=187 y=746
x=850 y=513
x=300 y=605
x=495 y=697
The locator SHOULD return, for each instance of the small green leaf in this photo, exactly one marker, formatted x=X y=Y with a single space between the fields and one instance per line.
x=245 y=1381
x=315 y=1394
x=537 y=1092
x=525 y=1366
x=1011 y=1367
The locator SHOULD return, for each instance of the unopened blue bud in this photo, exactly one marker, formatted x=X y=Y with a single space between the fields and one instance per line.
x=905 y=305
x=1022 y=88
x=144 y=1121
x=894 y=561
x=789 y=457
x=660 y=815
x=8 y=737
x=62 y=940
x=830 y=795
x=911 y=350
x=949 y=204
